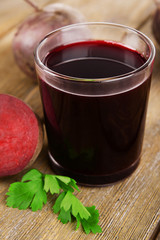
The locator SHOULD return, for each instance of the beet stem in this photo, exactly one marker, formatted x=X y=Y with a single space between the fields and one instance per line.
x=36 y=8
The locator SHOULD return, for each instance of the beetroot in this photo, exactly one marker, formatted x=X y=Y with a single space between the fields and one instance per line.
x=21 y=135
x=156 y=22
x=35 y=27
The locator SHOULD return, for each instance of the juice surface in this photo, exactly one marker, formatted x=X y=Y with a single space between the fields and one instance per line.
x=93 y=59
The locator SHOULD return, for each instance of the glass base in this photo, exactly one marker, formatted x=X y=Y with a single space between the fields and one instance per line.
x=93 y=180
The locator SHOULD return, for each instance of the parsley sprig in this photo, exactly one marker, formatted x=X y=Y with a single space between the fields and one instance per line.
x=32 y=191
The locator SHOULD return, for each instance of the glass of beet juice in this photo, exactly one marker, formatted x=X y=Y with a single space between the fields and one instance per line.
x=94 y=81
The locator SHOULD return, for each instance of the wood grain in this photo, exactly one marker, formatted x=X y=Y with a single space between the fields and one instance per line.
x=129 y=209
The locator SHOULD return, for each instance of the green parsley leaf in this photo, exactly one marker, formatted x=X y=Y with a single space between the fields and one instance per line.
x=51 y=184
x=69 y=206
x=54 y=183
x=32 y=175
x=91 y=224
x=27 y=193
x=57 y=206
x=68 y=202
x=64 y=216
x=68 y=181
x=78 y=221
x=71 y=202
x=32 y=192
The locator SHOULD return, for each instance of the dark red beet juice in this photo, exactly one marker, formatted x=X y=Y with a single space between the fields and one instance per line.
x=95 y=139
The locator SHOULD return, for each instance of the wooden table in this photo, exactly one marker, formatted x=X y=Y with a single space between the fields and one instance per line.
x=129 y=209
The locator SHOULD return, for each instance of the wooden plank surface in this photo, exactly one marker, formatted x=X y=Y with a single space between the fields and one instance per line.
x=129 y=209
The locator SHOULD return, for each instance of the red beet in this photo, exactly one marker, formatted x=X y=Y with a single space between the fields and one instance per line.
x=35 y=27
x=21 y=135
x=156 y=22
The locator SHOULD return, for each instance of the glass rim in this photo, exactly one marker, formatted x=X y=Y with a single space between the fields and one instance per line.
x=146 y=39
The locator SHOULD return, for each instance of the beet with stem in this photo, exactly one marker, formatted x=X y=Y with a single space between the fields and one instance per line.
x=35 y=27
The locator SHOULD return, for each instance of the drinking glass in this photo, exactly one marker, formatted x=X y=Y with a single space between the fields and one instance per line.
x=95 y=126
